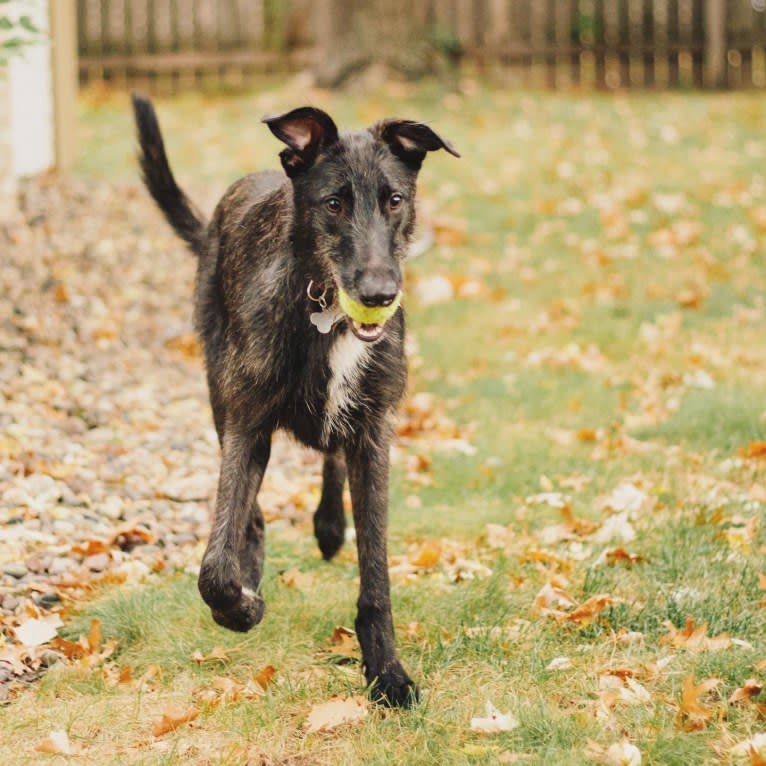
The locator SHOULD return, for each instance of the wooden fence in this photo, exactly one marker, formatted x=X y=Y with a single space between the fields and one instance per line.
x=174 y=44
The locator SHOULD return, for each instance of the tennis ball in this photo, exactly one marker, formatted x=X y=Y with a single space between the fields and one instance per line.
x=367 y=314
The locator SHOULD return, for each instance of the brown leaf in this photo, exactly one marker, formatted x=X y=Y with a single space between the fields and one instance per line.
x=266 y=676
x=217 y=654
x=172 y=719
x=336 y=712
x=585 y=613
x=692 y=714
x=344 y=642
x=620 y=555
x=57 y=743
x=752 y=688
x=694 y=639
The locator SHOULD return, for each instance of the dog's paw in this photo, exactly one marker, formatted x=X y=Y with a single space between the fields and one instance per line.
x=231 y=605
x=330 y=534
x=395 y=689
x=242 y=616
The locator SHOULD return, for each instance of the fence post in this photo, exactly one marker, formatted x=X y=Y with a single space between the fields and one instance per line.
x=715 y=43
x=63 y=31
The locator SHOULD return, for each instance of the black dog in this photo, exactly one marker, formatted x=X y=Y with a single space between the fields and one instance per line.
x=281 y=354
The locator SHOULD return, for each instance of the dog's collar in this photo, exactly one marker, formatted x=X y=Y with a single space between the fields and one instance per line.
x=321 y=293
x=329 y=313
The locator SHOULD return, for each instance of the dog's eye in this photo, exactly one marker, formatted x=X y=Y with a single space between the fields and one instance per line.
x=395 y=201
x=333 y=204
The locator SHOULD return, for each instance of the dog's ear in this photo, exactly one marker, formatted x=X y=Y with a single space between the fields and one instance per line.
x=306 y=131
x=410 y=141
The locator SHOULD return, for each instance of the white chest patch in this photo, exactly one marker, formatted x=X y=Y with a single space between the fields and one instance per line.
x=348 y=358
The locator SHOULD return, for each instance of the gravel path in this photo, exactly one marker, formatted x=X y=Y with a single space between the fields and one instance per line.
x=108 y=457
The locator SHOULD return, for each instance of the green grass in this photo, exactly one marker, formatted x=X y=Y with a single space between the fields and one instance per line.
x=557 y=194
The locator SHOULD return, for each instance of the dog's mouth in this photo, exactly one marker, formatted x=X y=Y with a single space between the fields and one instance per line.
x=366 y=332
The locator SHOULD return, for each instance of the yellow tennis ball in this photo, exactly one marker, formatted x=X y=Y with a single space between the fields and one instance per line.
x=367 y=314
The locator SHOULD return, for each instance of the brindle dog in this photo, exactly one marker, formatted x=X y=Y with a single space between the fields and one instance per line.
x=280 y=353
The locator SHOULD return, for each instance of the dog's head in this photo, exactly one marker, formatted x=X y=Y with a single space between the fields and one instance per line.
x=355 y=203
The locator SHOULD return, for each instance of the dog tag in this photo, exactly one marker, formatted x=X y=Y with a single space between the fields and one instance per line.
x=324 y=320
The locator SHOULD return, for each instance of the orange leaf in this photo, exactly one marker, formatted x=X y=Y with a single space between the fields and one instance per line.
x=428 y=555
x=693 y=715
x=265 y=677
x=621 y=555
x=94 y=635
x=171 y=720
x=754 y=450
x=585 y=613
x=126 y=675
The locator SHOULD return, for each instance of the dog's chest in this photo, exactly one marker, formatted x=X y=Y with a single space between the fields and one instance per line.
x=348 y=360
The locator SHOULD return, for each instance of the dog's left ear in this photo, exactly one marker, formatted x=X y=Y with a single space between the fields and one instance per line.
x=410 y=141
x=306 y=131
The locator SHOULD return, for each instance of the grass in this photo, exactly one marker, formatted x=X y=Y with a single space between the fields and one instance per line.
x=564 y=208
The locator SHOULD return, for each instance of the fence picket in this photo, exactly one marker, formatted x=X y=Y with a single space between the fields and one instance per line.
x=174 y=44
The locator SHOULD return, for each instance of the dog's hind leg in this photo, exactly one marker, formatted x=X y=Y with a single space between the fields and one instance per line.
x=329 y=519
x=368 y=479
x=233 y=562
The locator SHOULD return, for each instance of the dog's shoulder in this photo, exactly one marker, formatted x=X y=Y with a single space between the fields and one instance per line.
x=256 y=202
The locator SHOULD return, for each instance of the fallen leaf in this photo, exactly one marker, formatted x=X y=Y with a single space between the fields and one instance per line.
x=294 y=578
x=217 y=654
x=620 y=555
x=616 y=527
x=753 y=451
x=57 y=743
x=617 y=754
x=171 y=720
x=625 y=497
x=336 y=712
x=754 y=747
x=427 y=555
x=559 y=663
x=751 y=688
x=585 y=613
x=38 y=630
x=94 y=635
x=344 y=642
x=692 y=714
x=694 y=639
x=265 y=677
x=494 y=722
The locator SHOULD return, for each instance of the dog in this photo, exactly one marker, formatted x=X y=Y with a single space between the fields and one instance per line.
x=281 y=253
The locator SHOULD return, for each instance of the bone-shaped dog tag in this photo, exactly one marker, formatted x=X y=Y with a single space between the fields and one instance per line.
x=324 y=320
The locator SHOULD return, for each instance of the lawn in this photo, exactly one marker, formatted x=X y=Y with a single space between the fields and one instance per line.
x=579 y=490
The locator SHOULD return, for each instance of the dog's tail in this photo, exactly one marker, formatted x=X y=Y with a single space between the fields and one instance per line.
x=158 y=177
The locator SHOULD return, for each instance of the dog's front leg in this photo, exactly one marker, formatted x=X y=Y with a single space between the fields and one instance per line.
x=233 y=562
x=368 y=480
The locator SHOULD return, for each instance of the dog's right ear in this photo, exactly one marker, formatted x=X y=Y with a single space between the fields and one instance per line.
x=306 y=131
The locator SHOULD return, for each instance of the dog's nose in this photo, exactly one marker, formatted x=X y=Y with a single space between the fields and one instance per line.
x=378 y=291
x=378 y=299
